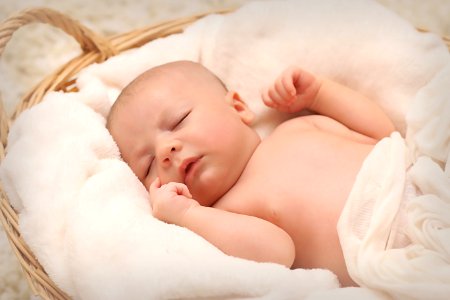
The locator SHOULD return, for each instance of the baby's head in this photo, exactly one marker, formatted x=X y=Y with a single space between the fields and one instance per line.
x=178 y=122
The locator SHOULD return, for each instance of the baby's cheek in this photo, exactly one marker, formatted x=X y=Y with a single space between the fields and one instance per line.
x=223 y=132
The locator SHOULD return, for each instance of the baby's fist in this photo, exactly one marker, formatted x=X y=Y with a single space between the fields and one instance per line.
x=170 y=201
x=293 y=91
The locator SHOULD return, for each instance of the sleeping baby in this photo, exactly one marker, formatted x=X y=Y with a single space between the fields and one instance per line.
x=189 y=140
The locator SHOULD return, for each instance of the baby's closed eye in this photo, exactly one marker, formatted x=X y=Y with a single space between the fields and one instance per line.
x=181 y=119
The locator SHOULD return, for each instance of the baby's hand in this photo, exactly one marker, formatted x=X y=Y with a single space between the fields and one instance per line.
x=170 y=201
x=294 y=90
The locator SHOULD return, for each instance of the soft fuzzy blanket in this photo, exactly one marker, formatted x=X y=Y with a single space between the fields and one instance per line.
x=87 y=217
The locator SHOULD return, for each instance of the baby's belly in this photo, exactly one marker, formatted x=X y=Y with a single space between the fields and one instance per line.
x=303 y=189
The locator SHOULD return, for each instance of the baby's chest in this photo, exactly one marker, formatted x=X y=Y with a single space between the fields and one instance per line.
x=292 y=180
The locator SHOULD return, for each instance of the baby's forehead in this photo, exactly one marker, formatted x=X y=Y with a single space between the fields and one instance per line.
x=164 y=80
x=183 y=72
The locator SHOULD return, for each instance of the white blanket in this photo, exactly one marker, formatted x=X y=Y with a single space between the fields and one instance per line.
x=396 y=238
x=86 y=216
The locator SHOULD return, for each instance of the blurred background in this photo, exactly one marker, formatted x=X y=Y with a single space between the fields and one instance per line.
x=37 y=49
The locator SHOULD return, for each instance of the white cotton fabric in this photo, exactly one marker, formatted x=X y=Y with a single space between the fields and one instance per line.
x=87 y=217
x=418 y=267
x=408 y=259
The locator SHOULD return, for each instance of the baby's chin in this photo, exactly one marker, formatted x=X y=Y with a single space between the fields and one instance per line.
x=213 y=182
x=207 y=197
x=210 y=193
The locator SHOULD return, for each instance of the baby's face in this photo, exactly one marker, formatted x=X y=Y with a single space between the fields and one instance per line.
x=180 y=131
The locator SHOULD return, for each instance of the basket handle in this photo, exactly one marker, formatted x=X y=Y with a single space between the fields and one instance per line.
x=88 y=40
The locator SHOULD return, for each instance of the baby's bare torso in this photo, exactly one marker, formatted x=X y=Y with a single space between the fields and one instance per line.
x=299 y=179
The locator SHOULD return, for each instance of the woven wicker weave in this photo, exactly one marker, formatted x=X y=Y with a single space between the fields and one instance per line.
x=95 y=49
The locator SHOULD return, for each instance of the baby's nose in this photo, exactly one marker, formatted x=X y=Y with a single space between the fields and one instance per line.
x=168 y=151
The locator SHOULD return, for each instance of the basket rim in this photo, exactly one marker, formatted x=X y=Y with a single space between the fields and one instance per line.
x=63 y=79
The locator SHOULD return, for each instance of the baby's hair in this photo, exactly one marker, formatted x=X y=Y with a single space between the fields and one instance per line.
x=114 y=107
x=163 y=70
x=220 y=81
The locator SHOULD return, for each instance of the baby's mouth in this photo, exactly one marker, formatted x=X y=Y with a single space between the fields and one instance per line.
x=187 y=168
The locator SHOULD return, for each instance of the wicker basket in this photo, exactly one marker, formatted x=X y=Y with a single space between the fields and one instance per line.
x=95 y=49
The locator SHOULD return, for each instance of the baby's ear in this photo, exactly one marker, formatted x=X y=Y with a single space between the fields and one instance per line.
x=235 y=101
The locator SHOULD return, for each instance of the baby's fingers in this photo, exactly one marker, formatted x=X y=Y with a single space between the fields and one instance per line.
x=285 y=87
x=175 y=188
x=265 y=95
x=182 y=189
x=288 y=81
x=156 y=184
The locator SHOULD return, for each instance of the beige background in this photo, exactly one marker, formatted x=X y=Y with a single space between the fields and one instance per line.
x=37 y=49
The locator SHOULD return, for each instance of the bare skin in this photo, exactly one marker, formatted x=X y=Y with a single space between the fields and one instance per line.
x=304 y=206
x=276 y=200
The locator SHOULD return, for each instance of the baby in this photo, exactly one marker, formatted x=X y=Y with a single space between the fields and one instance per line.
x=189 y=141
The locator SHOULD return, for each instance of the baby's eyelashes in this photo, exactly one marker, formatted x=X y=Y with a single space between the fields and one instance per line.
x=181 y=120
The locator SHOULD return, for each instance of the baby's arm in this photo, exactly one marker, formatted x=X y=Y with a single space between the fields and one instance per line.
x=235 y=234
x=296 y=89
